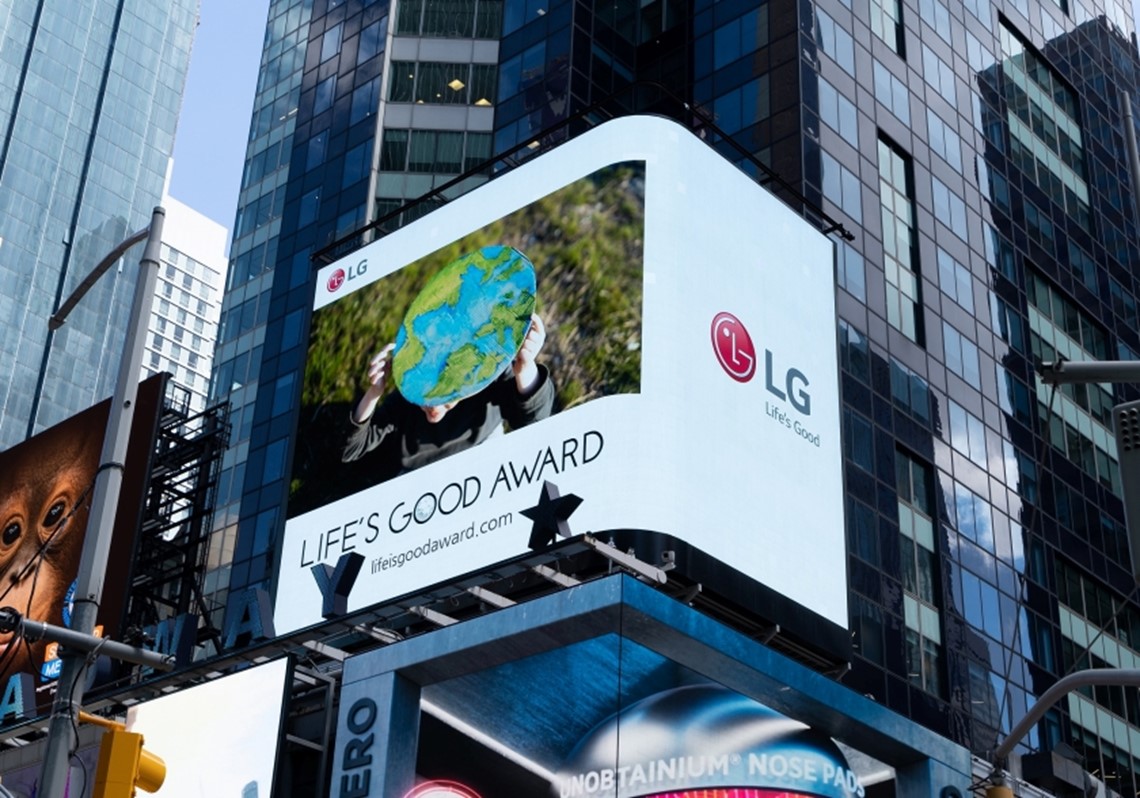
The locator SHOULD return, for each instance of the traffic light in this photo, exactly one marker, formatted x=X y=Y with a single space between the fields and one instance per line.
x=124 y=766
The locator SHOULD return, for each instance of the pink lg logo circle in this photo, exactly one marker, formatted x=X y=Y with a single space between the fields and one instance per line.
x=733 y=347
x=336 y=280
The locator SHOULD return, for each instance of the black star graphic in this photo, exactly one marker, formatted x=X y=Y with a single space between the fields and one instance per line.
x=550 y=515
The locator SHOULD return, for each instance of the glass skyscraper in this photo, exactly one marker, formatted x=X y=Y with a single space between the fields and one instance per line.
x=90 y=96
x=977 y=153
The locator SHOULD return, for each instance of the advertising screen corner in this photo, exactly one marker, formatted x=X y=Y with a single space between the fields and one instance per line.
x=628 y=319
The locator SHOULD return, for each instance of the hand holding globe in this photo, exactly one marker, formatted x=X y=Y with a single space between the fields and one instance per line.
x=378 y=368
x=524 y=365
x=469 y=322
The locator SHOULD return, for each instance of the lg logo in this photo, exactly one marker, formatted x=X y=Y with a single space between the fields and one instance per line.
x=340 y=276
x=733 y=347
x=737 y=356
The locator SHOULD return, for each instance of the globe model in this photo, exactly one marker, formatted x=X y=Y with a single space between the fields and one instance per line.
x=464 y=328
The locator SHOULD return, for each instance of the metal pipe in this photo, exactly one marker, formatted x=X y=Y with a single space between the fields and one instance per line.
x=1091 y=677
x=1133 y=151
x=35 y=630
x=1085 y=371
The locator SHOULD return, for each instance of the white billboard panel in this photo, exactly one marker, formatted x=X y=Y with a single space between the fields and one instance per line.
x=674 y=367
x=217 y=738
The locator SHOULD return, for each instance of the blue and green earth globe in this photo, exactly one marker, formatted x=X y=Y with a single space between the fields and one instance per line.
x=464 y=328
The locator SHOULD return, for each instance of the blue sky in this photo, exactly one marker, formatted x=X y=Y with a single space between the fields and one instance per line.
x=209 y=149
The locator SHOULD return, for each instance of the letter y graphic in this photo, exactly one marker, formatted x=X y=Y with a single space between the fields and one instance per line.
x=336 y=583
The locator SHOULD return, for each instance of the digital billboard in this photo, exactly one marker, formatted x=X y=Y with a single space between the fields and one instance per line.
x=625 y=333
x=218 y=738
x=621 y=722
x=46 y=485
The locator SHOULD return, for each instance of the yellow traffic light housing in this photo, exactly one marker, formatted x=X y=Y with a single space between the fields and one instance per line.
x=124 y=765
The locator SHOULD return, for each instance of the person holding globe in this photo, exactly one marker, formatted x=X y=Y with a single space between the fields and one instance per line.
x=464 y=362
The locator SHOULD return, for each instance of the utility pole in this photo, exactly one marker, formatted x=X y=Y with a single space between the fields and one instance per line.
x=1126 y=419
x=105 y=500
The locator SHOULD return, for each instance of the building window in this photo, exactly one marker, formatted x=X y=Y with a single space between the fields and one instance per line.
x=409 y=14
x=935 y=14
x=939 y=74
x=949 y=208
x=1123 y=303
x=838 y=113
x=842 y=186
x=1007 y=323
x=371 y=40
x=1044 y=131
x=961 y=355
x=357 y=164
x=402 y=86
x=900 y=255
x=886 y=23
x=835 y=41
x=867 y=628
x=394 y=151
x=863 y=531
x=919 y=565
x=967 y=434
x=365 y=101
x=1084 y=268
x=433 y=151
x=310 y=205
x=324 y=95
x=892 y=93
x=488 y=19
x=955 y=281
x=854 y=354
x=943 y=140
x=740 y=37
x=476 y=150
x=315 y=153
x=999 y=253
x=910 y=392
x=851 y=270
x=450 y=18
x=1040 y=228
x=330 y=42
x=442 y=83
x=859 y=440
x=743 y=106
x=1078 y=421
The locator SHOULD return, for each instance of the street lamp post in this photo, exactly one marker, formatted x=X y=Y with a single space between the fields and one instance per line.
x=104 y=502
x=1126 y=418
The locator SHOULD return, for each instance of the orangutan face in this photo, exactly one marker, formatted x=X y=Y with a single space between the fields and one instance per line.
x=44 y=497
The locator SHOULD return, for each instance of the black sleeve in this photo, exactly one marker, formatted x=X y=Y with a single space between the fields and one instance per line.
x=519 y=410
x=363 y=438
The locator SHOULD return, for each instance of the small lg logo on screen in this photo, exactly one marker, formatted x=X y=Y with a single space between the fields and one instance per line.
x=733 y=347
x=340 y=276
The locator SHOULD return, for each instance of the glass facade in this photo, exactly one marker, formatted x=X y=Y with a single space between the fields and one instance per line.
x=90 y=99
x=982 y=140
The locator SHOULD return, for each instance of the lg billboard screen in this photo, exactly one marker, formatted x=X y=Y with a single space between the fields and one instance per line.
x=627 y=320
